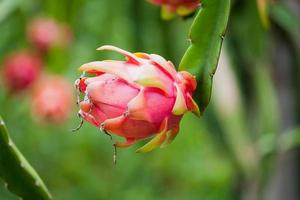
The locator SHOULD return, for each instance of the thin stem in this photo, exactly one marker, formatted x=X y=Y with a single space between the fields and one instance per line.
x=114 y=146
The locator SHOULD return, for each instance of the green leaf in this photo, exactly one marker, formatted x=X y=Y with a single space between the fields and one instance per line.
x=285 y=18
x=7 y=7
x=289 y=140
x=19 y=176
x=272 y=143
x=206 y=36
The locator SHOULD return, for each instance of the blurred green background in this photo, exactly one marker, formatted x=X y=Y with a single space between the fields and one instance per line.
x=239 y=149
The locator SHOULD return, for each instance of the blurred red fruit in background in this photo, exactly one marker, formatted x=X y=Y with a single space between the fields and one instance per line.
x=20 y=70
x=180 y=7
x=52 y=99
x=45 y=33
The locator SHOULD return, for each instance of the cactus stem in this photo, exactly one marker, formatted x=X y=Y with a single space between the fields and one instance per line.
x=10 y=143
x=19 y=177
x=206 y=37
x=6 y=185
x=37 y=183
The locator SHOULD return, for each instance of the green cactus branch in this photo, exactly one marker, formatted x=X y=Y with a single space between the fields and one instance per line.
x=206 y=36
x=19 y=177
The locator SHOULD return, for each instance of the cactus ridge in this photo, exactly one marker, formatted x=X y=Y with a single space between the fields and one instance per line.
x=18 y=175
x=206 y=36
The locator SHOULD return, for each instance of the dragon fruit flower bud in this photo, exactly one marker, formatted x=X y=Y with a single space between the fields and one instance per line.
x=20 y=70
x=52 y=99
x=45 y=33
x=138 y=98
x=180 y=7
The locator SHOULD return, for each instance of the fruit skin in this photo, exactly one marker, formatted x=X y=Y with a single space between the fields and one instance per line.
x=20 y=70
x=52 y=99
x=180 y=7
x=45 y=33
x=137 y=98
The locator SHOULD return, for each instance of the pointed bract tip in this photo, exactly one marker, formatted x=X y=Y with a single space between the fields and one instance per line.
x=82 y=68
x=129 y=55
x=106 y=47
x=197 y=112
x=193 y=106
x=157 y=140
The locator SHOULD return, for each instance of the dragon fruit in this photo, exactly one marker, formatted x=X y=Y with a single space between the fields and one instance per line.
x=51 y=99
x=180 y=7
x=20 y=70
x=45 y=33
x=141 y=97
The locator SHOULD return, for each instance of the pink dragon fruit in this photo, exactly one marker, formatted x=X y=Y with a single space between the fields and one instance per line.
x=181 y=7
x=51 y=99
x=46 y=32
x=20 y=70
x=138 y=98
